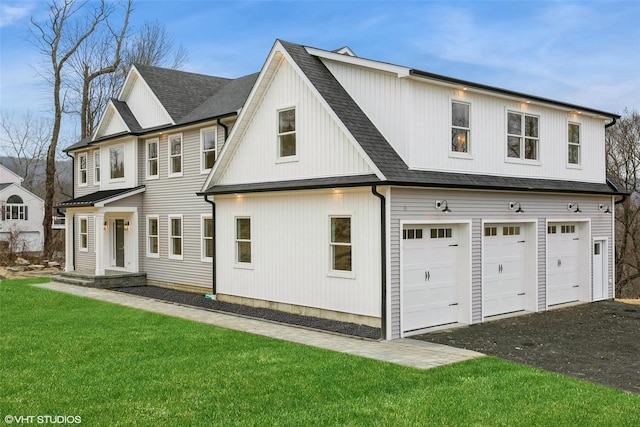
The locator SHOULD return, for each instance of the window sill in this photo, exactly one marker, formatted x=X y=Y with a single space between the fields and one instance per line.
x=175 y=175
x=82 y=184
x=205 y=172
x=117 y=180
x=176 y=257
x=288 y=159
x=208 y=260
x=153 y=255
x=243 y=266
x=152 y=177
x=83 y=249
x=523 y=161
x=341 y=274
x=460 y=155
x=573 y=166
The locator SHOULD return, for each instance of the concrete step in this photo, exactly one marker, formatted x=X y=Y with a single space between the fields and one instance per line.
x=80 y=281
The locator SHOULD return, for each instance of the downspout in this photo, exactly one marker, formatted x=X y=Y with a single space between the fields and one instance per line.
x=73 y=217
x=213 y=261
x=608 y=125
x=383 y=259
x=225 y=127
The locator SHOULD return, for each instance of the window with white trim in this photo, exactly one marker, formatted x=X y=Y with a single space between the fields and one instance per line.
x=153 y=238
x=116 y=162
x=152 y=158
x=573 y=148
x=82 y=169
x=287 y=133
x=460 y=127
x=96 y=167
x=175 y=237
x=243 y=240
x=15 y=209
x=207 y=238
x=522 y=136
x=84 y=234
x=340 y=245
x=175 y=155
x=209 y=145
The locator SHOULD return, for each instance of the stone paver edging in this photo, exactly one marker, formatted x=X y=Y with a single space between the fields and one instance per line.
x=413 y=353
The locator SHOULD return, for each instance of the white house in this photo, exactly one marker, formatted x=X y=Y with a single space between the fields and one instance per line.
x=384 y=195
x=22 y=214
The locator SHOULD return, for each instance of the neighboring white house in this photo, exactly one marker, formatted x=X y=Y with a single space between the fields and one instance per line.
x=22 y=214
x=384 y=195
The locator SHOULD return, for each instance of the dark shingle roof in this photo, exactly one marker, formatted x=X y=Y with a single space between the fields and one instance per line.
x=126 y=114
x=97 y=197
x=180 y=92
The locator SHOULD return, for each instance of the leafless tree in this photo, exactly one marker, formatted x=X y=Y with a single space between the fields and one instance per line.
x=623 y=163
x=25 y=140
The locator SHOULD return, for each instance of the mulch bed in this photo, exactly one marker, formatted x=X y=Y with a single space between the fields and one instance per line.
x=598 y=342
x=196 y=300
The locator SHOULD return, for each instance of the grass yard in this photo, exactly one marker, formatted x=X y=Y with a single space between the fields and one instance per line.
x=112 y=365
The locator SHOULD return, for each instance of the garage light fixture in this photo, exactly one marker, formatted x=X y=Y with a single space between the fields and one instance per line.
x=513 y=205
x=105 y=226
x=603 y=207
x=574 y=207
x=443 y=206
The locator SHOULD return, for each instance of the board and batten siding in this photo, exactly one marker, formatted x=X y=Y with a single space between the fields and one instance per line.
x=414 y=115
x=144 y=105
x=290 y=247
x=175 y=196
x=413 y=204
x=322 y=147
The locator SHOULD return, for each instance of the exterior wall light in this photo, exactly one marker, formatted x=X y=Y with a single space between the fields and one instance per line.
x=605 y=208
x=105 y=226
x=442 y=206
x=514 y=205
x=574 y=207
x=127 y=226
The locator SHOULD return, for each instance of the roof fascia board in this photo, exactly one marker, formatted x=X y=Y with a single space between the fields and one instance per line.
x=400 y=71
x=12 y=173
x=507 y=94
x=102 y=203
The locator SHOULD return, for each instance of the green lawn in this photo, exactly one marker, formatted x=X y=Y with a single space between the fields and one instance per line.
x=112 y=365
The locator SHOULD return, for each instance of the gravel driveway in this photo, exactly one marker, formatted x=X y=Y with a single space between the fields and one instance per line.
x=598 y=342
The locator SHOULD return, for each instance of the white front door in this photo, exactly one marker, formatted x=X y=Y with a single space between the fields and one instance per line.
x=504 y=285
x=563 y=253
x=600 y=271
x=430 y=293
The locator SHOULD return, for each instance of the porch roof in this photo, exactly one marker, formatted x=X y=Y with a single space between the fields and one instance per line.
x=101 y=198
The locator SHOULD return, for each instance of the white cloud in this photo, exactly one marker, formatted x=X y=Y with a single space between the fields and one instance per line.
x=9 y=14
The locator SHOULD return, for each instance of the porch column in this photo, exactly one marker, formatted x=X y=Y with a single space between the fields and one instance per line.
x=68 y=241
x=99 y=243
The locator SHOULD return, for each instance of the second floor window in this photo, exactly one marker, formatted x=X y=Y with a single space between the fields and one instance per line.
x=175 y=155
x=209 y=148
x=287 y=133
x=96 y=167
x=460 y=127
x=116 y=162
x=522 y=136
x=152 y=158
x=574 y=144
x=82 y=169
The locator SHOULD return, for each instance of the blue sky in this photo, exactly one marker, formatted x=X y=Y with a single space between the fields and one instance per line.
x=585 y=52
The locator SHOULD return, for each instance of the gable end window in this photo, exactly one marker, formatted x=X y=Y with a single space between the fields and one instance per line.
x=574 y=144
x=522 y=136
x=340 y=245
x=460 y=127
x=152 y=158
x=82 y=169
x=96 y=167
x=287 y=133
x=208 y=141
x=175 y=155
x=116 y=162
x=15 y=209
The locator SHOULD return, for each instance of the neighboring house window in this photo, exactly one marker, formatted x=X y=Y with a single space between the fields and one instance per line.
x=175 y=236
x=153 y=241
x=522 y=136
x=243 y=240
x=207 y=238
x=84 y=234
x=116 y=162
x=96 y=166
x=340 y=243
x=287 y=132
x=460 y=127
x=208 y=140
x=82 y=169
x=175 y=155
x=574 y=144
x=152 y=158
x=15 y=209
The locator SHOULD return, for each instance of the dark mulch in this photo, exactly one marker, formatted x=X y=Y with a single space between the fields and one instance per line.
x=187 y=298
x=598 y=342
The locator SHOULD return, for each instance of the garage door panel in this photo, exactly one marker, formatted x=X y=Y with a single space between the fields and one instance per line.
x=563 y=266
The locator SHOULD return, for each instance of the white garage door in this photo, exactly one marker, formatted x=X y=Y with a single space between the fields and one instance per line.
x=562 y=263
x=505 y=257
x=430 y=276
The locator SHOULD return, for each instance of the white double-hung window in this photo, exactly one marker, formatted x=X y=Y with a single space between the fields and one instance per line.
x=152 y=158
x=573 y=148
x=522 y=136
x=340 y=244
x=175 y=155
x=460 y=127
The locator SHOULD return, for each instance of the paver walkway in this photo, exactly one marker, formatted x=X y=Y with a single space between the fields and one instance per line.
x=417 y=354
